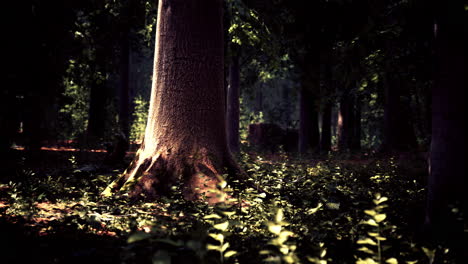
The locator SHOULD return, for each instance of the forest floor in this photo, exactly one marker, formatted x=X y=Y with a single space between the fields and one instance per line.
x=336 y=209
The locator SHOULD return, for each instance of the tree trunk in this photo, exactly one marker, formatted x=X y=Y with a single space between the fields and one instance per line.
x=233 y=105
x=325 y=139
x=345 y=123
x=349 y=123
x=124 y=93
x=121 y=141
x=185 y=139
x=355 y=142
x=447 y=179
x=398 y=131
x=97 y=113
x=309 y=135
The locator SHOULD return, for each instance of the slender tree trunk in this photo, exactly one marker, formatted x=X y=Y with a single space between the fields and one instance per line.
x=97 y=113
x=121 y=142
x=124 y=98
x=233 y=113
x=398 y=131
x=259 y=98
x=349 y=123
x=309 y=135
x=447 y=179
x=355 y=143
x=325 y=139
x=345 y=123
x=185 y=139
x=340 y=126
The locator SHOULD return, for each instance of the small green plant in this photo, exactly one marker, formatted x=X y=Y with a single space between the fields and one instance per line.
x=321 y=259
x=371 y=244
x=219 y=222
x=279 y=250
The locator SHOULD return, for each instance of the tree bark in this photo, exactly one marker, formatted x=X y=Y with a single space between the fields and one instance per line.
x=349 y=123
x=447 y=169
x=309 y=135
x=355 y=142
x=398 y=131
x=325 y=139
x=124 y=93
x=97 y=113
x=233 y=109
x=185 y=140
x=99 y=93
x=345 y=123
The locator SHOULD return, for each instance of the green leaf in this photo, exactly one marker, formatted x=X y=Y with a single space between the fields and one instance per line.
x=228 y=214
x=138 y=237
x=222 y=226
x=212 y=216
x=222 y=184
x=288 y=259
x=314 y=210
x=381 y=200
x=333 y=206
x=283 y=236
x=370 y=212
x=230 y=253
x=371 y=222
x=323 y=253
x=430 y=253
x=367 y=241
x=279 y=215
x=224 y=247
x=380 y=217
x=366 y=261
x=275 y=229
x=213 y=247
x=366 y=250
x=217 y=237
x=392 y=261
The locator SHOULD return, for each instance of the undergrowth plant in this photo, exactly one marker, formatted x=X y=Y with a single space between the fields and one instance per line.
x=278 y=250
x=371 y=244
x=323 y=202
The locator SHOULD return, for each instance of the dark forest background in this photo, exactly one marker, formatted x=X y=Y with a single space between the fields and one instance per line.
x=339 y=102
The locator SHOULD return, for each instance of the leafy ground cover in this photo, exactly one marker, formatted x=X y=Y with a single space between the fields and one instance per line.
x=338 y=209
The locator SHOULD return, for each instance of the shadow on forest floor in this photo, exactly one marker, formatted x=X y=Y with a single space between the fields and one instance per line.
x=51 y=211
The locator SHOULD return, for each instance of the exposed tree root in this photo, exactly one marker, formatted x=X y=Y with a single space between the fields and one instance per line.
x=152 y=176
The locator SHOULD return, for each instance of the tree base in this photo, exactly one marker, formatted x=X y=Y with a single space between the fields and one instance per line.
x=152 y=176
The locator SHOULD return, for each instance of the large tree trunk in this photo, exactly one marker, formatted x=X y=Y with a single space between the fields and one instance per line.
x=185 y=139
x=233 y=105
x=447 y=180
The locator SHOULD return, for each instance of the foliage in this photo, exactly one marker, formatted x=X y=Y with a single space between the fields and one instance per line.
x=74 y=112
x=140 y=115
x=332 y=213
